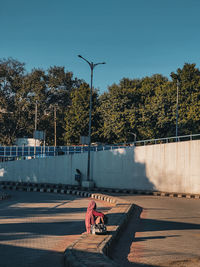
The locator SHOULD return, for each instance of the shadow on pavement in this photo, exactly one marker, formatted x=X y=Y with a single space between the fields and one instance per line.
x=32 y=230
x=138 y=239
x=24 y=256
x=19 y=211
x=148 y=225
x=42 y=212
x=121 y=250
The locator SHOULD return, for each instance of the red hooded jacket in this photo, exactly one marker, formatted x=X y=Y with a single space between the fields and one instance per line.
x=90 y=215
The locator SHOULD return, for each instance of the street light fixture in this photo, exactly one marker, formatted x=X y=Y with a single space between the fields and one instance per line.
x=92 y=66
x=135 y=136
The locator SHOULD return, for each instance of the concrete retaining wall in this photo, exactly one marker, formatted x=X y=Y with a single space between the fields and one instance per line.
x=59 y=169
x=172 y=167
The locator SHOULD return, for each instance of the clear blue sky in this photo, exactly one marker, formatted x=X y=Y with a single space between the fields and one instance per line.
x=136 y=38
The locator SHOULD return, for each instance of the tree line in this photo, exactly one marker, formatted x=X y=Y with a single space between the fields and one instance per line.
x=144 y=107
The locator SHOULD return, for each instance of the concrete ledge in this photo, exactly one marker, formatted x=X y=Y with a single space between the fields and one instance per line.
x=90 y=250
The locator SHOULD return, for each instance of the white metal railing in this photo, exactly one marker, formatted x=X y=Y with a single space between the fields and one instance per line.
x=168 y=139
x=18 y=152
x=25 y=152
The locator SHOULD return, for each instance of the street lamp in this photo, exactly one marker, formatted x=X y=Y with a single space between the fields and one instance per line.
x=177 y=95
x=47 y=112
x=36 y=111
x=92 y=66
x=135 y=136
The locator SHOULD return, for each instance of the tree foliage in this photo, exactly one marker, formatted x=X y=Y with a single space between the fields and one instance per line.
x=20 y=92
x=147 y=107
x=77 y=115
x=144 y=107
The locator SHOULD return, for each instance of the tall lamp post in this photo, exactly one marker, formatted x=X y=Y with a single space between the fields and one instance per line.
x=55 y=127
x=177 y=95
x=36 y=111
x=92 y=66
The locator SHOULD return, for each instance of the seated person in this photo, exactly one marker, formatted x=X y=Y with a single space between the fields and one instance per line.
x=92 y=216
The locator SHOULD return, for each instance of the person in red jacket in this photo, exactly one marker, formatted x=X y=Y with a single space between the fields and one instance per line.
x=92 y=216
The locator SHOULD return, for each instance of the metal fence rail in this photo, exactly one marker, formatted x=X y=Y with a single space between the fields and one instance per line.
x=47 y=151
x=27 y=152
x=168 y=139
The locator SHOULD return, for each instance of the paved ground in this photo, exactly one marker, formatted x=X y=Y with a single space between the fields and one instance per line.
x=163 y=232
x=36 y=228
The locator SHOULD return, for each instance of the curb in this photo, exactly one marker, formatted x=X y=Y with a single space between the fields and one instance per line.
x=67 y=189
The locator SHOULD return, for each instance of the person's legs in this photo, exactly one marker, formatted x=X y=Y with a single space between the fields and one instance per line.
x=98 y=220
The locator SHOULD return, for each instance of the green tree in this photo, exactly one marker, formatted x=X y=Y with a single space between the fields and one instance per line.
x=145 y=107
x=77 y=115
x=139 y=107
x=118 y=112
x=20 y=92
x=60 y=85
x=36 y=85
x=155 y=107
x=189 y=98
x=13 y=102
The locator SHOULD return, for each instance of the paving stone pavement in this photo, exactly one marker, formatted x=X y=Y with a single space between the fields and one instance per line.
x=36 y=228
x=163 y=232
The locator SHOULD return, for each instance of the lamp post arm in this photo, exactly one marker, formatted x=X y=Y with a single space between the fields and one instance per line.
x=91 y=64
x=86 y=60
x=99 y=64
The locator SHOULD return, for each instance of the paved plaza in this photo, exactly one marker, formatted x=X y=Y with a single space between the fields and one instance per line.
x=163 y=232
x=36 y=228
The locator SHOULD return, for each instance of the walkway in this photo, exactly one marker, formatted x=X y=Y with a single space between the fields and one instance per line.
x=36 y=228
x=166 y=234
